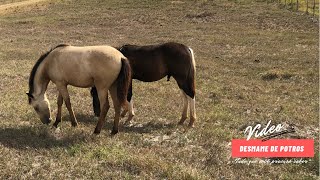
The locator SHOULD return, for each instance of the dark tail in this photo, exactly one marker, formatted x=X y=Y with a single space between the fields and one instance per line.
x=123 y=81
x=192 y=73
x=191 y=76
x=95 y=101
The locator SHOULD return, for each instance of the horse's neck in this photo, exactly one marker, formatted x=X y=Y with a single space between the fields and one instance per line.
x=40 y=82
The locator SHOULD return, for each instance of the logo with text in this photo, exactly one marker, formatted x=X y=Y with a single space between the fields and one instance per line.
x=264 y=146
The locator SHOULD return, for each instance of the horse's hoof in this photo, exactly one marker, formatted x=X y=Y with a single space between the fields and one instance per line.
x=129 y=119
x=114 y=132
x=96 y=131
x=123 y=114
x=55 y=125
x=126 y=123
x=191 y=125
x=74 y=124
x=182 y=121
x=97 y=114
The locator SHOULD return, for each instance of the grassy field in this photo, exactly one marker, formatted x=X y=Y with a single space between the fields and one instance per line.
x=255 y=63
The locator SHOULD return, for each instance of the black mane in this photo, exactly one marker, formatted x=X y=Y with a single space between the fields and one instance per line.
x=35 y=67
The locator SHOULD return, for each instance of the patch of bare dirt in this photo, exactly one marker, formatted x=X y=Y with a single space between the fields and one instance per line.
x=12 y=6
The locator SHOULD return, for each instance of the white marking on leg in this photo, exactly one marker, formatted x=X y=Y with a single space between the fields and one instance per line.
x=192 y=107
x=131 y=110
x=185 y=105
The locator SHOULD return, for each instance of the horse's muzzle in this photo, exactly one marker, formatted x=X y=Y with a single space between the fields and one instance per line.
x=47 y=121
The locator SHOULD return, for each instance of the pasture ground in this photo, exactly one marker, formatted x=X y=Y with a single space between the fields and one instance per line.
x=255 y=63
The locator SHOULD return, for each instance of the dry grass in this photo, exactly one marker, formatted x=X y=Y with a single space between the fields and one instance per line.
x=238 y=47
x=9 y=1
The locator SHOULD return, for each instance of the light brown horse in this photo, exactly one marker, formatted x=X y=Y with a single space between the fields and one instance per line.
x=154 y=62
x=101 y=66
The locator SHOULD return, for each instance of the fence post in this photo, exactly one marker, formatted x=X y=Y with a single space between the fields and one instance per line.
x=314 y=7
x=285 y=3
x=307 y=7
x=297 y=5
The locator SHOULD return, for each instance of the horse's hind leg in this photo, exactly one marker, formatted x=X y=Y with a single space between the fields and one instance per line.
x=125 y=110
x=58 y=117
x=131 y=111
x=117 y=109
x=184 y=115
x=189 y=92
x=128 y=103
x=104 y=108
x=65 y=95
x=193 y=117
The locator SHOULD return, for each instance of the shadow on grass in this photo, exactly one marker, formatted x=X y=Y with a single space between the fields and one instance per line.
x=81 y=118
x=136 y=127
x=148 y=127
x=36 y=137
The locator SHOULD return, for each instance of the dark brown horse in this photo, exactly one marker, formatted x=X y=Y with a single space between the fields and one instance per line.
x=154 y=62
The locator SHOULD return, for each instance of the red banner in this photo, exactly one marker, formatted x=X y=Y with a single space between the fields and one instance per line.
x=273 y=148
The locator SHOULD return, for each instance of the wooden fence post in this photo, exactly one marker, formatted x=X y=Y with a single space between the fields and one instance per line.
x=314 y=7
x=285 y=3
x=297 y=5
x=307 y=7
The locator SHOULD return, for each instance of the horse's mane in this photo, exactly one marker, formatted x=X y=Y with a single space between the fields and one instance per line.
x=35 y=67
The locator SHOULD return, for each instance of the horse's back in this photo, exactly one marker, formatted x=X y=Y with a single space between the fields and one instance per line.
x=82 y=66
x=176 y=57
x=153 y=62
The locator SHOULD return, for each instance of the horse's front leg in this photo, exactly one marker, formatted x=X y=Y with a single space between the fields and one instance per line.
x=104 y=108
x=65 y=95
x=58 y=117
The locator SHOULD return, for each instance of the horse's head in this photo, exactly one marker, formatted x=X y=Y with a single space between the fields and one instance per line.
x=41 y=105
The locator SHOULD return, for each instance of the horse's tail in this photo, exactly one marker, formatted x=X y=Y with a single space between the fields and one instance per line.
x=192 y=74
x=123 y=81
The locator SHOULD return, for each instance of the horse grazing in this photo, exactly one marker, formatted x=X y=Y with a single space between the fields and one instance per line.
x=101 y=66
x=154 y=62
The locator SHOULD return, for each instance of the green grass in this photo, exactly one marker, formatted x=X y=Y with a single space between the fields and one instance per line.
x=255 y=62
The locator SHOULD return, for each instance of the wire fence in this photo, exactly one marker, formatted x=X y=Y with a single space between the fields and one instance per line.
x=308 y=6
